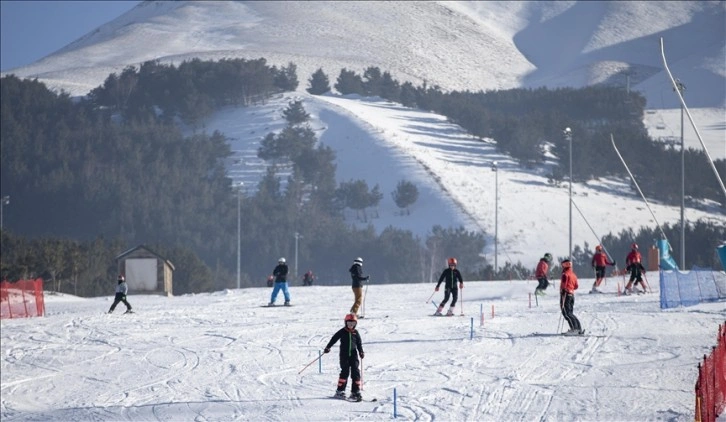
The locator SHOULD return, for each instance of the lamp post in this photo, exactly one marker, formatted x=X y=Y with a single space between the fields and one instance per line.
x=4 y=201
x=496 y=215
x=297 y=237
x=568 y=136
x=682 y=88
x=239 y=230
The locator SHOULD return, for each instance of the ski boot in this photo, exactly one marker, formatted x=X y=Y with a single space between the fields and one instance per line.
x=539 y=292
x=450 y=312
x=287 y=303
x=438 y=311
x=340 y=394
x=271 y=304
x=356 y=396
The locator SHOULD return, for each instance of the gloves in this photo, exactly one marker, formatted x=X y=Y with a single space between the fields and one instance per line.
x=614 y=263
x=367 y=278
x=461 y=285
x=436 y=289
x=362 y=355
x=327 y=350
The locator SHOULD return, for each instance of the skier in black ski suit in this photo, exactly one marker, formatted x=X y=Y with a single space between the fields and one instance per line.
x=351 y=346
x=451 y=275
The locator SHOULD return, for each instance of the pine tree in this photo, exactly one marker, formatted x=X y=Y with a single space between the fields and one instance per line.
x=319 y=83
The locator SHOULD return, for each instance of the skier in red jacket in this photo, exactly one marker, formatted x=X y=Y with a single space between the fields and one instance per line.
x=633 y=263
x=599 y=261
x=568 y=285
x=541 y=274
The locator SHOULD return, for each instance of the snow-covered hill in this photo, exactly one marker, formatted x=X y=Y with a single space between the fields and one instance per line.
x=456 y=45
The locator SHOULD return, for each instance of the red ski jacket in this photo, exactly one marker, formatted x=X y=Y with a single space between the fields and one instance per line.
x=542 y=268
x=568 y=282
x=634 y=257
x=600 y=260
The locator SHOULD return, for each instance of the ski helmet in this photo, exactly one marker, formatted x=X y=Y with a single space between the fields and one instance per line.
x=566 y=264
x=281 y=261
x=548 y=257
x=358 y=260
x=634 y=246
x=349 y=318
x=598 y=248
x=452 y=261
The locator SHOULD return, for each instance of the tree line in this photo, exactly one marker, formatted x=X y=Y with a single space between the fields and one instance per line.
x=92 y=177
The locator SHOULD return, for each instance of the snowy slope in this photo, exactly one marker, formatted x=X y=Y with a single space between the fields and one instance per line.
x=222 y=357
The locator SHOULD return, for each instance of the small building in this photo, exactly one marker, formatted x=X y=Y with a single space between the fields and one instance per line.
x=146 y=271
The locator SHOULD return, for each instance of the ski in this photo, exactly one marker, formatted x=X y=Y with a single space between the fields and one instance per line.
x=352 y=400
x=129 y=312
x=568 y=334
x=275 y=306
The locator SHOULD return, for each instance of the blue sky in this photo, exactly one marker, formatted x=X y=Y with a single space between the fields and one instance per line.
x=31 y=30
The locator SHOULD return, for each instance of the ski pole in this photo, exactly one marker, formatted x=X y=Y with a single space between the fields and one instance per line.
x=365 y=295
x=432 y=295
x=361 y=373
x=306 y=366
x=462 y=301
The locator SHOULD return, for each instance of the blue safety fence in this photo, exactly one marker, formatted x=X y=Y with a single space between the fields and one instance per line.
x=691 y=288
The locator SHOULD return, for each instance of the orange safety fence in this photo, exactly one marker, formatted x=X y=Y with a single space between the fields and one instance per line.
x=711 y=383
x=21 y=299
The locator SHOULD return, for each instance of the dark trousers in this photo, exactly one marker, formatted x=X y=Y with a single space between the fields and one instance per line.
x=543 y=283
x=454 y=293
x=120 y=297
x=349 y=366
x=567 y=301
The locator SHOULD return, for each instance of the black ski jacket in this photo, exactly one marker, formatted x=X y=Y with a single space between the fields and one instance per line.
x=350 y=342
x=356 y=274
x=451 y=277
x=280 y=273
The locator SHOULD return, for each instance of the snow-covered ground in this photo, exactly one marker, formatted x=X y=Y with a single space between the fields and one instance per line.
x=223 y=357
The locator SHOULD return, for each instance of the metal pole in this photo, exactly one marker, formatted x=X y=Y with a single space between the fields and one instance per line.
x=568 y=135
x=681 y=88
x=297 y=236
x=239 y=237
x=496 y=215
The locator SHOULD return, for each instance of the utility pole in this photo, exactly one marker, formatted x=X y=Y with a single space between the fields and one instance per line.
x=682 y=88
x=4 y=201
x=568 y=136
x=496 y=215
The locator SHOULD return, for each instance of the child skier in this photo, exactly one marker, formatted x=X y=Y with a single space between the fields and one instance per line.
x=308 y=278
x=541 y=274
x=451 y=275
x=280 y=273
x=121 y=290
x=351 y=346
x=599 y=261
x=568 y=285
x=634 y=265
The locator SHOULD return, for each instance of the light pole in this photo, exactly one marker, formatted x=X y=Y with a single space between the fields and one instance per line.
x=568 y=136
x=682 y=88
x=297 y=237
x=496 y=215
x=239 y=230
x=4 y=201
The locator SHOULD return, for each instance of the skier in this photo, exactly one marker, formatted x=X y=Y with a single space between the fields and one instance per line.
x=451 y=275
x=634 y=265
x=599 y=261
x=280 y=273
x=568 y=285
x=308 y=278
x=357 y=277
x=541 y=274
x=270 y=280
x=351 y=346
x=121 y=290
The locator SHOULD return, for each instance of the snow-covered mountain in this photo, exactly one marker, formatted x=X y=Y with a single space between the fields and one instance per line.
x=456 y=45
